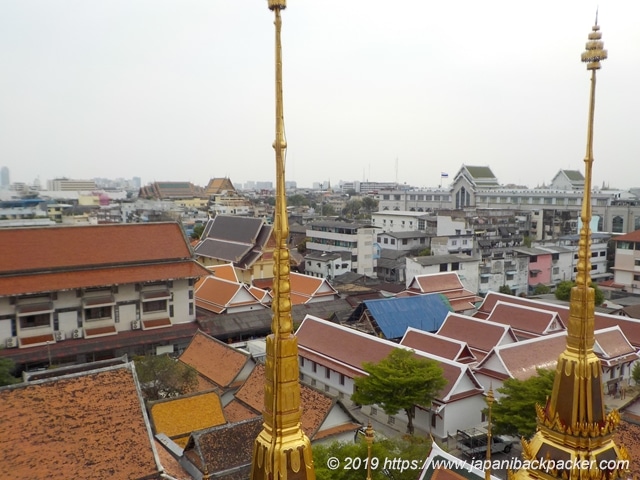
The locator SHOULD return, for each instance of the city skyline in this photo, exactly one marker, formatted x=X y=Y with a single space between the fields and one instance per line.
x=184 y=91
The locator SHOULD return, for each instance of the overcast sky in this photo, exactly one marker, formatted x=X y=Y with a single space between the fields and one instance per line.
x=373 y=90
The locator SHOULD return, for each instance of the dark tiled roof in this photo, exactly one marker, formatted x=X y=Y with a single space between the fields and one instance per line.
x=88 y=425
x=224 y=448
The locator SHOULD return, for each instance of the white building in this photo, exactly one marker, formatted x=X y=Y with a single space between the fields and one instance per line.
x=467 y=268
x=403 y=221
x=327 y=264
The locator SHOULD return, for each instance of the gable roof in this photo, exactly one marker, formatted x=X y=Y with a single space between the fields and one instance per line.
x=218 y=295
x=457 y=469
x=480 y=335
x=436 y=282
x=87 y=425
x=219 y=185
x=178 y=417
x=63 y=258
x=478 y=176
x=345 y=350
x=214 y=360
x=305 y=288
x=315 y=405
x=224 y=271
x=230 y=238
x=225 y=448
x=525 y=320
x=169 y=190
x=438 y=345
x=522 y=359
x=394 y=315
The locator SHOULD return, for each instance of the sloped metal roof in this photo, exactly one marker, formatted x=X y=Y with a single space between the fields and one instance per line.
x=395 y=315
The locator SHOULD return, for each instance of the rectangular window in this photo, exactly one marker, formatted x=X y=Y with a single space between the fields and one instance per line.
x=38 y=320
x=154 y=306
x=391 y=420
x=190 y=294
x=637 y=262
x=342 y=379
x=454 y=242
x=434 y=418
x=405 y=241
x=97 y=313
x=302 y=361
x=444 y=267
x=171 y=311
x=327 y=372
x=533 y=259
x=374 y=411
x=393 y=241
x=484 y=279
x=509 y=276
x=190 y=308
x=455 y=266
x=314 y=367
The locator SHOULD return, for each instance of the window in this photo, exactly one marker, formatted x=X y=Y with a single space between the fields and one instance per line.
x=302 y=361
x=97 y=313
x=636 y=278
x=190 y=294
x=509 y=276
x=391 y=420
x=374 y=411
x=443 y=267
x=327 y=372
x=190 y=308
x=484 y=279
x=326 y=388
x=454 y=242
x=637 y=262
x=342 y=379
x=434 y=418
x=386 y=240
x=533 y=259
x=405 y=241
x=38 y=320
x=603 y=253
x=556 y=270
x=314 y=367
x=455 y=266
x=171 y=311
x=464 y=242
x=393 y=241
x=154 y=306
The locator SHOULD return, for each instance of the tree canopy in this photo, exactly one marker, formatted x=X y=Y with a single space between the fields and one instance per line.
x=515 y=412
x=7 y=367
x=635 y=373
x=410 y=448
x=399 y=382
x=563 y=291
x=161 y=376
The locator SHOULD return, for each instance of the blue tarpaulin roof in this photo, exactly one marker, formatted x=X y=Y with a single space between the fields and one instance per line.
x=395 y=315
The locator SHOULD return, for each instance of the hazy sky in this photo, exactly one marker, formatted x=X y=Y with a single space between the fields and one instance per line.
x=373 y=90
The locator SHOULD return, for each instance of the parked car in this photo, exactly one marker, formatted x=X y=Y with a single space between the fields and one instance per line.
x=474 y=442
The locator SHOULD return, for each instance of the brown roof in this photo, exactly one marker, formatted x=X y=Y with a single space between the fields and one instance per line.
x=437 y=282
x=63 y=248
x=315 y=405
x=217 y=294
x=630 y=327
x=304 y=288
x=629 y=237
x=49 y=282
x=526 y=319
x=170 y=465
x=218 y=185
x=345 y=350
x=224 y=271
x=628 y=434
x=224 y=448
x=213 y=359
x=88 y=425
x=235 y=411
x=478 y=334
x=612 y=343
x=437 y=345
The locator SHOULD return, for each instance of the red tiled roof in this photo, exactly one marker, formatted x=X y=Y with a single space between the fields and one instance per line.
x=315 y=405
x=437 y=345
x=88 y=425
x=526 y=319
x=224 y=271
x=170 y=465
x=213 y=359
x=437 y=282
x=348 y=349
x=118 y=275
x=479 y=335
x=235 y=411
x=51 y=248
x=629 y=237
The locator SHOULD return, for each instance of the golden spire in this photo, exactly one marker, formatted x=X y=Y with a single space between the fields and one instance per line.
x=368 y=436
x=282 y=451
x=573 y=426
x=489 y=399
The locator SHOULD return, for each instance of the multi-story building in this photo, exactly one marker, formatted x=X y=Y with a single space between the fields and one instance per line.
x=403 y=241
x=327 y=264
x=365 y=188
x=556 y=207
x=71 y=185
x=503 y=269
x=403 y=221
x=356 y=238
x=627 y=261
x=466 y=266
x=91 y=292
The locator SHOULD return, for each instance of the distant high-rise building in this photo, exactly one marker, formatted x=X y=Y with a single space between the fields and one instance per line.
x=4 y=177
x=70 y=185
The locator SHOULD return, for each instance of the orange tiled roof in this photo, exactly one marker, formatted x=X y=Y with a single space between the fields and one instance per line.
x=526 y=319
x=98 y=277
x=235 y=411
x=170 y=465
x=178 y=417
x=213 y=359
x=437 y=282
x=52 y=248
x=478 y=334
x=88 y=425
x=315 y=405
x=224 y=271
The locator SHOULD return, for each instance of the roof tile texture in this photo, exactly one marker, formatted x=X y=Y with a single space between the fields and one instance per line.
x=89 y=426
x=213 y=359
x=477 y=334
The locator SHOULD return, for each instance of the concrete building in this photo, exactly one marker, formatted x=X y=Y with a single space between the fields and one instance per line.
x=627 y=262
x=468 y=268
x=71 y=185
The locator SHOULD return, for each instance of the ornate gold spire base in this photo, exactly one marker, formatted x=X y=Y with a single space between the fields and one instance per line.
x=282 y=451
x=574 y=440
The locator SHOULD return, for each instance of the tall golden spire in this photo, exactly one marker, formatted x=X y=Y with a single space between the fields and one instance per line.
x=573 y=427
x=282 y=451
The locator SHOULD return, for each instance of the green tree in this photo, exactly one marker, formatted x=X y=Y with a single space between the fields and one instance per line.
x=399 y=382
x=635 y=373
x=424 y=253
x=409 y=448
x=352 y=207
x=563 y=291
x=541 y=289
x=197 y=231
x=526 y=241
x=161 y=376
x=515 y=412
x=506 y=289
x=370 y=204
x=297 y=200
x=7 y=367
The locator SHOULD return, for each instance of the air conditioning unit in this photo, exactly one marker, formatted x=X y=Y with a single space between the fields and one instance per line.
x=77 y=333
x=135 y=325
x=59 y=335
x=12 y=342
